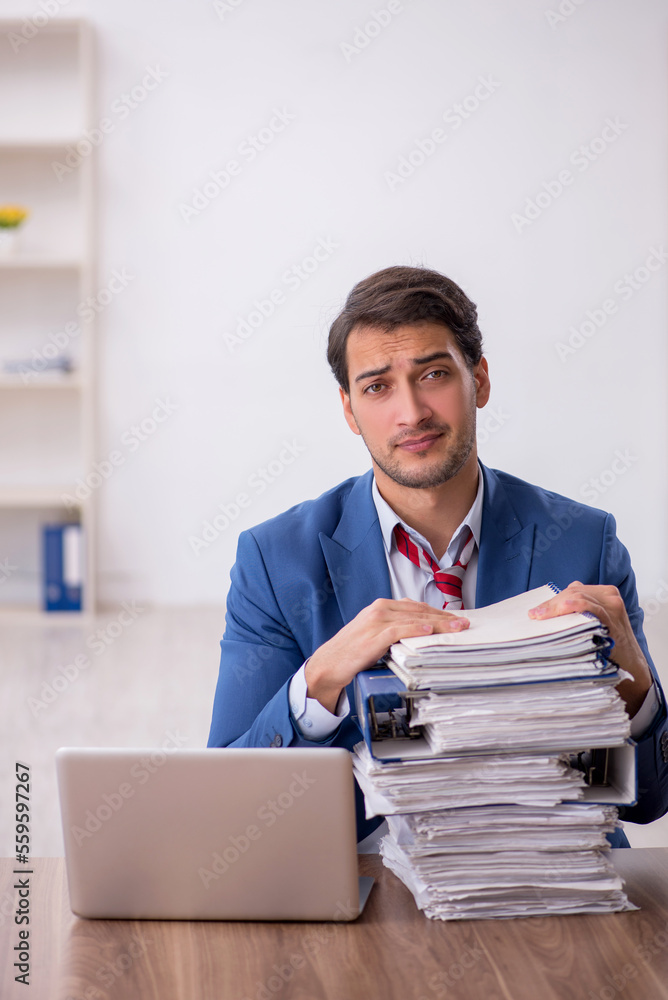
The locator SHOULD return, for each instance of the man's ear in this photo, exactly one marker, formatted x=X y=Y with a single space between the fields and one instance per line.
x=348 y=412
x=481 y=379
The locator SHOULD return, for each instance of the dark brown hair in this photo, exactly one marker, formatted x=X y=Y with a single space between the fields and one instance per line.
x=400 y=296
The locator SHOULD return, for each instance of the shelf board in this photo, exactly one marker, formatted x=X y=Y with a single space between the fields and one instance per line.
x=19 y=614
x=41 y=263
x=56 y=26
x=38 y=143
x=34 y=496
x=41 y=382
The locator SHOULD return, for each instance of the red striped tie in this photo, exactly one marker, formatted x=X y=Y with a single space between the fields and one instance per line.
x=449 y=582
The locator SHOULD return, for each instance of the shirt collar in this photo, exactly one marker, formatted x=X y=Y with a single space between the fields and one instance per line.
x=388 y=519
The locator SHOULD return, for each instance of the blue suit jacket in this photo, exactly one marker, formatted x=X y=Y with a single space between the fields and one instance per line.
x=302 y=575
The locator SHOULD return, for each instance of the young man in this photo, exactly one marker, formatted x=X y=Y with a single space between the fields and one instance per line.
x=320 y=592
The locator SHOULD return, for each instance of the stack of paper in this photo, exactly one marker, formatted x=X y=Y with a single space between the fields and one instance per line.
x=410 y=786
x=564 y=827
x=492 y=823
x=503 y=645
x=508 y=883
x=531 y=716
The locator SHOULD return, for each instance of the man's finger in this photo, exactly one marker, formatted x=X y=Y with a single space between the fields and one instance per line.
x=416 y=628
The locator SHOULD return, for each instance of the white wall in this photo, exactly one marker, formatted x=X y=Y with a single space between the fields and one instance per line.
x=551 y=88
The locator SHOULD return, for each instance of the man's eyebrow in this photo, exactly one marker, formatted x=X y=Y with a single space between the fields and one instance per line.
x=372 y=373
x=427 y=360
x=436 y=356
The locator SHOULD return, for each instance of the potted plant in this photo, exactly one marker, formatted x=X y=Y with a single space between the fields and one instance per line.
x=12 y=218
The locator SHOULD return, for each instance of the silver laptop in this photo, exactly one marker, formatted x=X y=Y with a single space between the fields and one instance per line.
x=219 y=834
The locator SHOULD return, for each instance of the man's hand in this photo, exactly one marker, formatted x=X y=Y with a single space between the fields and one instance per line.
x=366 y=638
x=608 y=606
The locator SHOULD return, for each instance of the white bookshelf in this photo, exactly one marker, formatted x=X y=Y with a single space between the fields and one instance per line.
x=47 y=418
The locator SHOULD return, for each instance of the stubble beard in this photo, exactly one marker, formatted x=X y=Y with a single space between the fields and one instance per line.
x=456 y=458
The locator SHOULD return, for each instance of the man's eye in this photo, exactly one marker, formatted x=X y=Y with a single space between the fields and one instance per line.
x=436 y=374
x=374 y=388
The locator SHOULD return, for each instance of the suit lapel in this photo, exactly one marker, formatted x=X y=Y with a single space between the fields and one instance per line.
x=506 y=546
x=355 y=554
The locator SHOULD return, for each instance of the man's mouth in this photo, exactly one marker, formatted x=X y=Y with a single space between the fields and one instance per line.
x=419 y=444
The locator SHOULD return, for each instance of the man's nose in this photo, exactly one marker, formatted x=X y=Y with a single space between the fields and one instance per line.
x=412 y=408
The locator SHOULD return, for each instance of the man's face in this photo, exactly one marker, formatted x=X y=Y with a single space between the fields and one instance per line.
x=413 y=400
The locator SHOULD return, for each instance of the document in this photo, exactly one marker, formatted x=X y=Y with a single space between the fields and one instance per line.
x=562 y=827
x=488 y=818
x=504 y=645
x=507 y=883
x=413 y=786
x=570 y=714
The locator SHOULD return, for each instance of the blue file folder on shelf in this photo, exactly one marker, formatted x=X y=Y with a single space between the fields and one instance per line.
x=63 y=567
x=383 y=708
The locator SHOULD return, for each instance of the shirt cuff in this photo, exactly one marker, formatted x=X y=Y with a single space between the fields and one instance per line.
x=644 y=717
x=313 y=720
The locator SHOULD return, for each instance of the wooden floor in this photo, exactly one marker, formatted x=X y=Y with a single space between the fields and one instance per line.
x=131 y=677
x=149 y=680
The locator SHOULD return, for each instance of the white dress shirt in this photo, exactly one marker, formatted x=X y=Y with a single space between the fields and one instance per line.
x=312 y=719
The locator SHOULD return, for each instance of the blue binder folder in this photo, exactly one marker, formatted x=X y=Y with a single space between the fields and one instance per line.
x=383 y=707
x=63 y=567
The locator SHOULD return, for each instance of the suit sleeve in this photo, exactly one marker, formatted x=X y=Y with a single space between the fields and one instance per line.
x=259 y=657
x=653 y=745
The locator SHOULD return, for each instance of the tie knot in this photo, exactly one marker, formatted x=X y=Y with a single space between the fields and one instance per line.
x=448 y=581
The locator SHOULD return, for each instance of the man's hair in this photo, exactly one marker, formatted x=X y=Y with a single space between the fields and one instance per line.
x=401 y=296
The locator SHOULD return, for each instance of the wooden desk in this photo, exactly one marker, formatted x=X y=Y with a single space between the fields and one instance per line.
x=391 y=952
